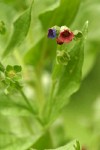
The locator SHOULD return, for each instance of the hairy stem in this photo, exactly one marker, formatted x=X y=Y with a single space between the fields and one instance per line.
x=31 y=108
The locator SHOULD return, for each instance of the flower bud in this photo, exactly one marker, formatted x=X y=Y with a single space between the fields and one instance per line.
x=2 y=27
x=65 y=36
x=10 y=74
x=53 y=32
x=77 y=35
x=64 y=28
x=62 y=57
x=57 y=28
x=60 y=42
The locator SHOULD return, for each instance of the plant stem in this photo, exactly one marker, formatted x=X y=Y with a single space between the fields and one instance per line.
x=17 y=56
x=30 y=107
x=51 y=102
x=27 y=101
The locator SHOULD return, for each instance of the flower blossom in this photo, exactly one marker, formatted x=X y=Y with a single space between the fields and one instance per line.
x=65 y=36
x=51 y=33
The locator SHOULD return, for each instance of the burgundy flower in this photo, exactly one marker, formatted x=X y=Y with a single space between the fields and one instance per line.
x=59 y=41
x=65 y=36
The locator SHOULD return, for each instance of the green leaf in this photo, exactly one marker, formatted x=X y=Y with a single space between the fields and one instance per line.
x=1 y=67
x=80 y=112
x=41 y=144
x=36 y=27
x=66 y=79
x=10 y=108
x=74 y=145
x=9 y=68
x=66 y=7
x=2 y=27
x=45 y=47
x=31 y=149
x=13 y=77
x=10 y=141
x=17 y=68
x=21 y=27
x=89 y=10
x=9 y=72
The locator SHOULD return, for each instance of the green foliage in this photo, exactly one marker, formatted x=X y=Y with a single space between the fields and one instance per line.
x=1 y=67
x=77 y=34
x=89 y=11
x=11 y=78
x=17 y=68
x=64 y=5
x=62 y=57
x=67 y=77
x=13 y=72
x=21 y=27
x=44 y=46
x=43 y=104
x=2 y=27
x=14 y=142
x=74 y=145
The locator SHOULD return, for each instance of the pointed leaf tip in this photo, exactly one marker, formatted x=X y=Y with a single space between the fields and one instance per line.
x=21 y=27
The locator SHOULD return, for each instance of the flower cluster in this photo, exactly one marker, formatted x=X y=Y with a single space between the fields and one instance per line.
x=10 y=78
x=62 y=34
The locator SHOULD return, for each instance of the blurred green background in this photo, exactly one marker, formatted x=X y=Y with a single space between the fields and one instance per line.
x=80 y=119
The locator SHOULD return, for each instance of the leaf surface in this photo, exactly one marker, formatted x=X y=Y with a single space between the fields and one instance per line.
x=9 y=141
x=21 y=27
x=66 y=79
x=74 y=145
x=45 y=48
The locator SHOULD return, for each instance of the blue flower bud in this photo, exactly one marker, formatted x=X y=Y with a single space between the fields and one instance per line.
x=51 y=33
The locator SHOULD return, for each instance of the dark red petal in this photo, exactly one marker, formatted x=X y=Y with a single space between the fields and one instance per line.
x=59 y=41
x=66 y=36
